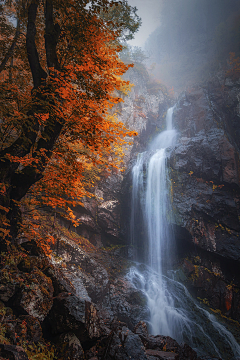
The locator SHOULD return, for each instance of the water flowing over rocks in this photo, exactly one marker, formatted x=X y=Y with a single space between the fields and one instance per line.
x=81 y=300
x=80 y=328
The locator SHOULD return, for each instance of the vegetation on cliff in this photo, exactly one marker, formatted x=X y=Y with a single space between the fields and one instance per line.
x=59 y=71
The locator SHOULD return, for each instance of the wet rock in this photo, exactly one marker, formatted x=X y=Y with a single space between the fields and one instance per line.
x=187 y=352
x=69 y=347
x=205 y=175
x=188 y=267
x=204 y=171
x=162 y=355
x=141 y=329
x=92 y=320
x=73 y=314
x=36 y=298
x=210 y=284
x=160 y=343
x=67 y=314
x=156 y=344
x=124 y=344
x=127 y=304
x=81 y=274
x=12 y=352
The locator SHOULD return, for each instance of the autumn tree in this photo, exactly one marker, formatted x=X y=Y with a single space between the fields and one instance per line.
x=123 y=18
x=59 y=72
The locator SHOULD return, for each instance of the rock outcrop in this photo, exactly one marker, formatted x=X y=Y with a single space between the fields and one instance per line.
x=77 y=327
x=204 y=170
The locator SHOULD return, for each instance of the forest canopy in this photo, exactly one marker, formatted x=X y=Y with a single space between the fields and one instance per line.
x=60 y=75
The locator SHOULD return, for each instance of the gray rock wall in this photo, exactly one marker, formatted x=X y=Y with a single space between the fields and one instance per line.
x=205 y=176
x=204 y=170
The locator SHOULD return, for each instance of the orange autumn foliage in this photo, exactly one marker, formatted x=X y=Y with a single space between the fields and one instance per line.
x=58 y=91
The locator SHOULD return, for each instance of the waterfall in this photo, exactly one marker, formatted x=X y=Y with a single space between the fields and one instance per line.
x=172 y=310
x=156 y=199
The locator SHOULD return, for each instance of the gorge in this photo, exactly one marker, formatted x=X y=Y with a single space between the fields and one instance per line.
x=90 y=298
x=152 y=271
x=173 y=311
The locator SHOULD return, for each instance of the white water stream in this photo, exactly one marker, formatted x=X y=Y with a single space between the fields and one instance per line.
x=172 y=310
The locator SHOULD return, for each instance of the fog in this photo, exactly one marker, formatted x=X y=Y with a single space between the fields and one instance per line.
x=149 y=11
x=188 y=40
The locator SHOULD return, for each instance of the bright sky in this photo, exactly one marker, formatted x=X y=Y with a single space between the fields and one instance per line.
x=149 y=11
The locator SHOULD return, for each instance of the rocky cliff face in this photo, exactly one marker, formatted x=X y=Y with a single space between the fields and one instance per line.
x=76 y=305
x=100 y=218
x=204 y=171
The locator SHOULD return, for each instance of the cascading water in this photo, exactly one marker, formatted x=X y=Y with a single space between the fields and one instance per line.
x=173 y=311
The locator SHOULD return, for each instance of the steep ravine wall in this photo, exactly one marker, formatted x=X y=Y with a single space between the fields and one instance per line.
x=205 y=194
x=204 y=171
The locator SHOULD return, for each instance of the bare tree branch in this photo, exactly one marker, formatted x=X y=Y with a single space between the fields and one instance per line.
x=11 y=49
x=52 y=32
x=39 y=75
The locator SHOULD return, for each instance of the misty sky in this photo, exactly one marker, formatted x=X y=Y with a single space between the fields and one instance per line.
x=149 y=11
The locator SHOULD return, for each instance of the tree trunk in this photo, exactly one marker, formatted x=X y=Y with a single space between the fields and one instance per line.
x=14 y=179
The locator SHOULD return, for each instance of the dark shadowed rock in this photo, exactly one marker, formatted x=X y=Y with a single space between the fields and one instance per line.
x=205 y=176
x=124 y=344
x=186 y=352
x=7 y=290
x=126 y=303
x=141 y=329
x=204 y=171
x=12 y=352
x=162 y=355
x=73 y=314
x=67 y=314
x=69 y=347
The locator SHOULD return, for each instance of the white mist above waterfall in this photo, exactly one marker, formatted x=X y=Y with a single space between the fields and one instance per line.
x=172 y=310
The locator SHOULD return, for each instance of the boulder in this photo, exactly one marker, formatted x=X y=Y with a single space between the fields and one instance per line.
x=127 y=303
x=81 y=273
x=124 y=344
x=67 y=314
x=73 y=314
x=36 y=297
x=141 y=329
